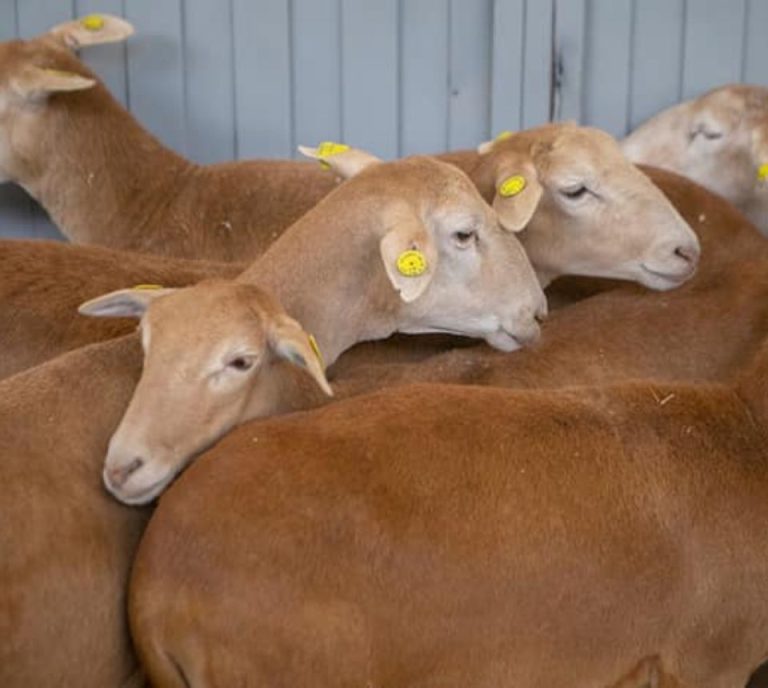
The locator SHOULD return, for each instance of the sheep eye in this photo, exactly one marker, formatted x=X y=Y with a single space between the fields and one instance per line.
x=241 y=364
x=709 y=135
x=575 y=193
x=464 y=239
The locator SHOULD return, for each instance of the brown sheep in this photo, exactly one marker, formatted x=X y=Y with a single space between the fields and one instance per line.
x=91 y=387
x=105 y=180
x=454 y=536
x=43 y=284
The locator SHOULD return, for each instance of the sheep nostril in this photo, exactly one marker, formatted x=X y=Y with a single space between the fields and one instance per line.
x=134 y=466
x=689 y=255
x=118 y=476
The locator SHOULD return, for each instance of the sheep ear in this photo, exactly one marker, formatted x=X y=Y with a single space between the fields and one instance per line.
x=516 y=200
x=343 y=160
x=36 y=82
x=92 y=30
x=410 y=258
x=124 y=303
x=290 y=342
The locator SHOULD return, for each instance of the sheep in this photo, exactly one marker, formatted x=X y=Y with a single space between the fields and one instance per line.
x=104 y=179
x=67 y=545
x=458 y=535
x=719 y=139
x=52 y=460
x=256 y=368
x=562 y=236
x=687 y=342
x=405 y=246
x=706 y=329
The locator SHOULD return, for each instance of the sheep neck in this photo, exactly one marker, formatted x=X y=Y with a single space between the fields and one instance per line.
x=97 y=172
x=326 y=271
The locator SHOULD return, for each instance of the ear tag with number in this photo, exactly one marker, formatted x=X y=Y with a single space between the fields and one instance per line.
x=512 y=186
x=411 y=263
x=329 y=148
x=93 y=22
x=762 y=172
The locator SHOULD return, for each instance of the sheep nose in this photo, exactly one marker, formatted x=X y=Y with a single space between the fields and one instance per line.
x=689 y=253
x=118 y=476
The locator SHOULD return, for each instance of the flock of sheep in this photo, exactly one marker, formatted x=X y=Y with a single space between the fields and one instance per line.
x=580 y=500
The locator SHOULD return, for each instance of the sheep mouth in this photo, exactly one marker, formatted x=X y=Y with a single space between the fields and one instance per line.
x=142 y=496
x=669 y=280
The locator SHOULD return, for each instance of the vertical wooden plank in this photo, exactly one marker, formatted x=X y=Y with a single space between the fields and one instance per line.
x=607 y=65
x=756 y=46
x=424 y=76
x=713 y=44
x=209 y=83
x=317 y=71
x=657 y=57
x=108 y=61
x=507 y=65
x=369 y=74
x=8 y=20
x=537 y=65
x=570 y=27
x=156 y=69
x=37 y=16
x=470 y=73
x=262 y=54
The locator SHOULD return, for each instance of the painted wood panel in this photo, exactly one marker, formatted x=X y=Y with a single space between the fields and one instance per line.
x=369 y=71
x=470 y=39
x=223 y=79
x=657 y=57
x=607 y=60
x=714 y=35
x=424 y=80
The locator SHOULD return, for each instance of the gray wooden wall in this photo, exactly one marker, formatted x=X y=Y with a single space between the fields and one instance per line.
x=223 y=79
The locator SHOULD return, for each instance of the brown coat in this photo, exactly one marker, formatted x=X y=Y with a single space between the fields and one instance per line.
x=459 y=536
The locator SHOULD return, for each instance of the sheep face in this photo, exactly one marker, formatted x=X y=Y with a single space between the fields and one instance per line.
x=584 y=209
x=477 y=280
x=215 y=355
x=719 y=140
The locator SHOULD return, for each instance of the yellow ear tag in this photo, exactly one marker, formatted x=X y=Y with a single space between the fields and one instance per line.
x=411 y=263
x=762 y=172
x=328 y=148
x=145 y=287
x=316 y=350
x=512 y=186
x=93 y=22
x=503 y=135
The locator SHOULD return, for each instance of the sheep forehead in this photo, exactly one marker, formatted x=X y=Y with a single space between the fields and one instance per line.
x=582 y=156
x=208 y=312
x=421 y=178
